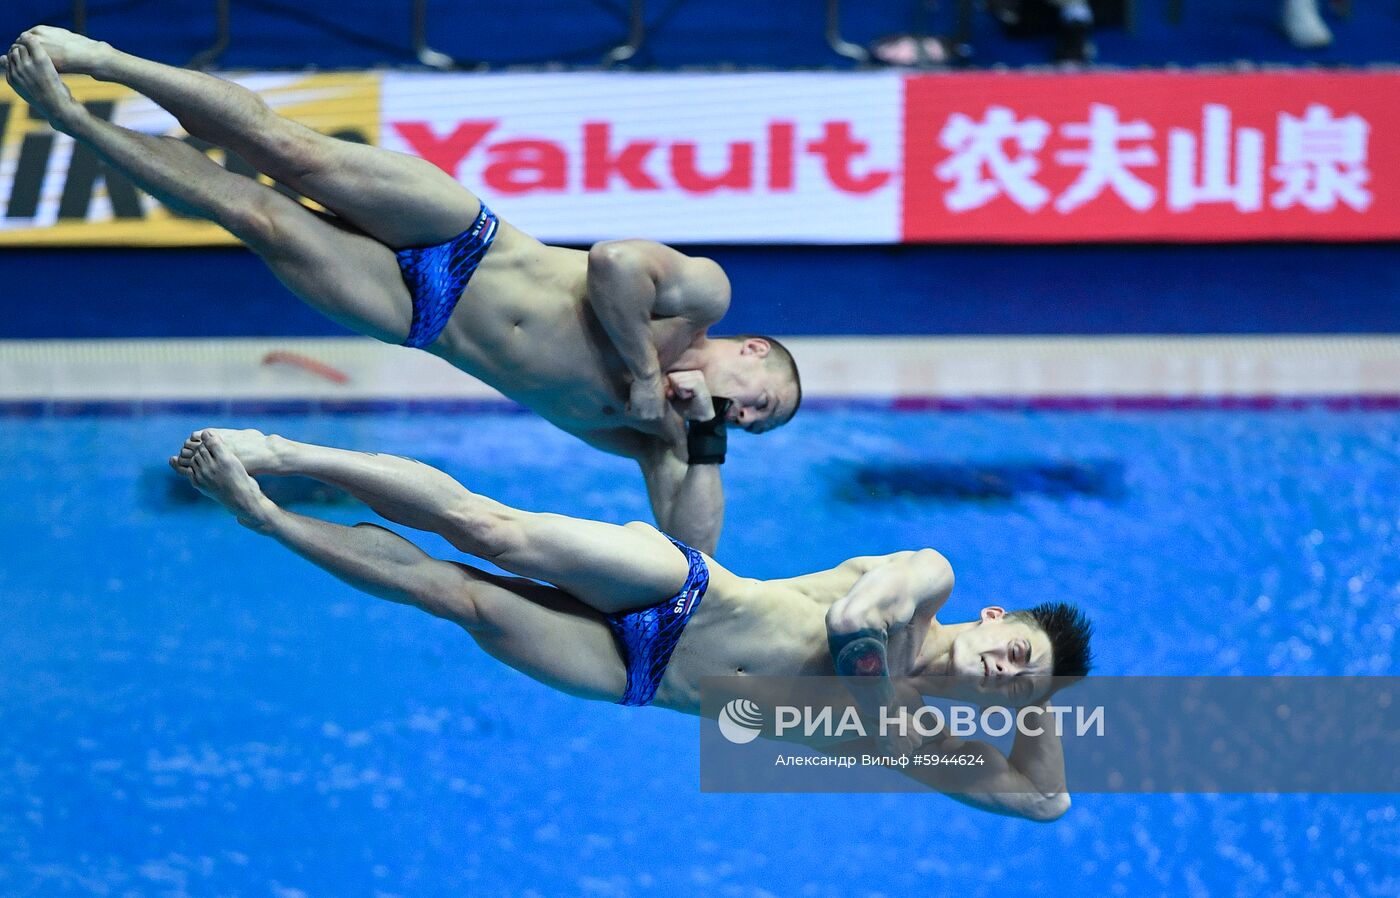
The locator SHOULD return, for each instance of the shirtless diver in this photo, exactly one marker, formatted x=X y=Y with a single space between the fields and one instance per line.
x=610 y=345
x=626 y=614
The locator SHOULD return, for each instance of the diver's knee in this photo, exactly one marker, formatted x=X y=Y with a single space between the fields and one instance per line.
x=484 y=528
x=255 y=218
x=465 y=606
x=299 y=152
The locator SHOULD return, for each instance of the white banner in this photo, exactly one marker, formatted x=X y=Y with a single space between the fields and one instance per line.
x=574 y=158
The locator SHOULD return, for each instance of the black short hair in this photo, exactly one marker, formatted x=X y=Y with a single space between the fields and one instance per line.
x=780 y=355
x=1069 y=631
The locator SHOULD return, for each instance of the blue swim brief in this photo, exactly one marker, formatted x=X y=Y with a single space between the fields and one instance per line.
x=649 y=635
x=437 y=275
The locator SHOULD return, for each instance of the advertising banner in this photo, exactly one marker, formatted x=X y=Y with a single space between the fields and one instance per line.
x=804 y=157
x=1152 y=156
x=772 y=157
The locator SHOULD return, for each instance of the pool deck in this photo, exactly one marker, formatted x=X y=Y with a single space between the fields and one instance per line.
x=360 y=374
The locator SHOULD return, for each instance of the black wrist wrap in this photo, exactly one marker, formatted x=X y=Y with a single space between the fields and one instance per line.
x=706 y=441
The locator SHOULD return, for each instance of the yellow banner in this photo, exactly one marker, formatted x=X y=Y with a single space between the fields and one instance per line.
x=58 y=193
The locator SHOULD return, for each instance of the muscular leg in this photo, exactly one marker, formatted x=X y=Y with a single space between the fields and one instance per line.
x=345 y=275
x=398 y=199
x=535 y=629
x=607 y=567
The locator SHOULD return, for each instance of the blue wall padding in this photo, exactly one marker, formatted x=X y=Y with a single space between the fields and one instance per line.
x=787 y=290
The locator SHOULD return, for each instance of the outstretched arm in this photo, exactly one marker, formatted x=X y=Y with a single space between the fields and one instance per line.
x=631 y=282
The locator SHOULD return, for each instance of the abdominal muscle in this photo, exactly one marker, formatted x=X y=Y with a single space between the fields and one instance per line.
x=523 y=327
x=755 y=631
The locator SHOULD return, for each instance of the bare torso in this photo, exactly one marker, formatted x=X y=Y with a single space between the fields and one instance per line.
x=524 y=326
x=772 y=628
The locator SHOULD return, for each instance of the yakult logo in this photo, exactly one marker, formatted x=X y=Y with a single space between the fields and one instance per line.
x=518 y=164
x=677 y=158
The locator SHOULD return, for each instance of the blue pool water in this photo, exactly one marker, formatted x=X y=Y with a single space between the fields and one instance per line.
x=186 y=709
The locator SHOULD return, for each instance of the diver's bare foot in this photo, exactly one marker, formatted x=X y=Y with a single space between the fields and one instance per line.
x=217 y=473
x=32 y=75
x=72 y=54
x=258 y=452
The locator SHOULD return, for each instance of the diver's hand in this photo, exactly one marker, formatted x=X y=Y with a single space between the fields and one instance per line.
x=651 y=411
x=647 y=400
x=690 y=395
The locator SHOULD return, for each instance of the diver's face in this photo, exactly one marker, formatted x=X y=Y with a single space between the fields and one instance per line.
x=764 y=396
x=1002 y=655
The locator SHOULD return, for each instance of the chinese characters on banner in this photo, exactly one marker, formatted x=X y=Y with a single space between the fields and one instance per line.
x=1167 y=156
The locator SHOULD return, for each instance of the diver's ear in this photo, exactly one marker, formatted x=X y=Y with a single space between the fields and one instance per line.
x=756 y=346
x=993 y=612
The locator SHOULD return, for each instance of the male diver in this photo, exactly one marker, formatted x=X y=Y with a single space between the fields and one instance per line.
x=627 y=614
x=610 y=345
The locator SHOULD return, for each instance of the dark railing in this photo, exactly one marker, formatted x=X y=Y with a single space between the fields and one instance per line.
x=206 y=57
x=424 y=53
